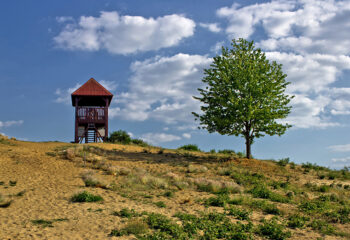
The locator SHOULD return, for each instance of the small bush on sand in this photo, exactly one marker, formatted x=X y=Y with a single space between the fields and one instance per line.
x=271 y=229
x=134 y=226
x=90 y=180
x=190 y=147
x=86 y=197
x=297 y=221
x=261 y=191
x=240 y=214
x=126 y=213
x=43 y=223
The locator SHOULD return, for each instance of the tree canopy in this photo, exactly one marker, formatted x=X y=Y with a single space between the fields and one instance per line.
x=244 y=94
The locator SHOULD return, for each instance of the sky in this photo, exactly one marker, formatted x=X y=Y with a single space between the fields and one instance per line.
x=151 y=55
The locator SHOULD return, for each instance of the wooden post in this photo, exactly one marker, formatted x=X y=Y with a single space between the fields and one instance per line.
x=76 y=137
x=106 y=120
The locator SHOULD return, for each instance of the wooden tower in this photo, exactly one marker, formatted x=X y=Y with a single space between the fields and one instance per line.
x=91 y=102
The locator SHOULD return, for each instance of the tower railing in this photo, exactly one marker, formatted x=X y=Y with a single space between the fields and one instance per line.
x=90 y=114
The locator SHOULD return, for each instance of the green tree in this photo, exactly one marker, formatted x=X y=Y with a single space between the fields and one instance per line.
x=244 y=94
x=119 y=136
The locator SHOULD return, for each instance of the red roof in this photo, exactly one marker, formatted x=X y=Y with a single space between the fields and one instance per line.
x=91 y=88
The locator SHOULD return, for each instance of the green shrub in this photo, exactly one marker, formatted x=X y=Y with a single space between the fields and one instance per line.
x=246 y=178
x=160 y=204
x=297 y=221
x=126 y=213
x=227 y=151
x=218 y=201
x=310 y=166
x=273 y=230
x=190 y=147
x=341 y=215
x=322 y=226
x=86 y=197
x=135 y=227
x=120 y=136
x=169 y=194
x=139 y=142
x=164 y=224
x=283 y=162
x=240 y=214
x=261 y=191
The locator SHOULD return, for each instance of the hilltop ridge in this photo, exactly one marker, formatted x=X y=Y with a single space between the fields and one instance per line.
x=154 y=193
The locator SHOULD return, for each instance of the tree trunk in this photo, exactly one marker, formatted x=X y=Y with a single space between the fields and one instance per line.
x=247 y=146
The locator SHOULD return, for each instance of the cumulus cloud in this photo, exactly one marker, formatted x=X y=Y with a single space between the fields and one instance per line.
x=4 y=124
x=311 y=39
x=213 y=27
x=64 y=95
x=161 y=89
x=156 y=138
x=186 y=135
x=340 y=148
x=124 y=34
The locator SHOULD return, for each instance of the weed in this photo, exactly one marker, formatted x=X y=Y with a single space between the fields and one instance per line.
x=219 y=201
x=160 y=204
x=5 y=204
x=240 y=214
x=43 y=223
x=283 y=162
x=12 y=183
x=47 y=223
x=342 y=215
x=227 y=151
x=297 y=221
x=261 y=191
x=190 y=147
x=86 y=197
x=126 y=213
x=91 y=181
x=135 y=227
x=322 y=226
x=271 y=229
x=169 y=194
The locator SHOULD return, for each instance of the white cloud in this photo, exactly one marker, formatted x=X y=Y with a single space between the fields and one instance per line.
x=213 y=27
x=64 y=19
x=4 y=124
x=309 y=113
x=217 y=47
x=64 y=95
x=341 y=160
x=161 y=89
x=156 y=138
x=340 y=148
x=124 y=34
x=311 y=39
x=186 y=135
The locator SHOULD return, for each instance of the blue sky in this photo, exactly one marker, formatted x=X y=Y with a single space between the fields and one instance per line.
x=151 y=55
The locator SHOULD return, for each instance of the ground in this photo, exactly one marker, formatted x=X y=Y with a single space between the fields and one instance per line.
x=253 y=199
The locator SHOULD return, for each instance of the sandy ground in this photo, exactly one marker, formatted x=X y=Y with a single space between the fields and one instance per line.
x=49 y=182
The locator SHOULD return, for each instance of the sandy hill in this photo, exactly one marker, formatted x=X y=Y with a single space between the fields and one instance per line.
x=52 y=190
